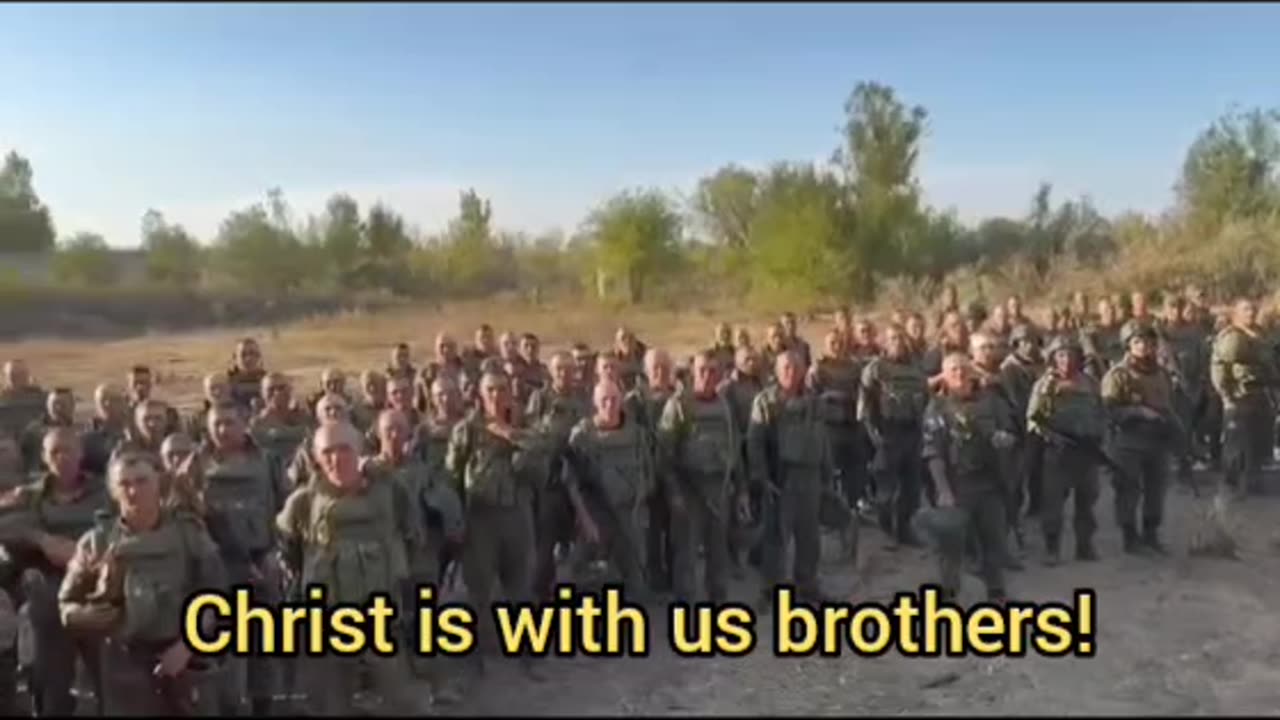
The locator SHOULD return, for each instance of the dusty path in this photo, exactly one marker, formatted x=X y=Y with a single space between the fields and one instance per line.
x=1175 y=635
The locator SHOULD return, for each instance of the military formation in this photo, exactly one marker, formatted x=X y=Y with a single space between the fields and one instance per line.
x=489 y=467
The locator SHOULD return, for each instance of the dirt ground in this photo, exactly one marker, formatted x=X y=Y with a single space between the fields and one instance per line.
x=1175 y=635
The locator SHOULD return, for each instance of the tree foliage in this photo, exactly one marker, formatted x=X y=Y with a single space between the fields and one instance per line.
x=258 y=250
x=25 y=223
x=1232 y=170
x=172 y=255
x=85 y=260
x=636 y=236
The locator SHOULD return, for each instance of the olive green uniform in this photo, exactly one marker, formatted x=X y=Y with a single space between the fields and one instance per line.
x=1018 y=375
x=241 y=495
x=791 y=461
x=646 y=404
x=1242 y=371
x=498 y=478
x=1102 y=348
x=701 y=448
x=741 y=391
x=556 y=413
x=154 y=573
x=1140 y=446
x=280 y=435
x=613 y=471
x=891 y=399
x=958 y=450
x=354 y=545
x=246 y=388
x=99 y=440
x=32 y=441
x=53 y=667
x=1073 y=406
x=836 y=382
x=432 y=447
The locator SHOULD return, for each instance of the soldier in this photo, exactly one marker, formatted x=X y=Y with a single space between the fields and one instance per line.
x=245 y=375
x=722 y=347
x=400 y=397
x=792 y=340
x=701 y=447
x=1080 y=310
x=1138 y=396
x=217 y=390
x=281 y=427
x=493 y=461
x=741 y=337
x=1019 y=372
x=630 y=353
x=447 y=363
x=917 y=343
x=740 y=389
x=1186 y=355
x=432 y=496
x=139 y=382
x=175 y=451
x=1141 y=310
x=1013 y=307
x=1123 y=307
x=1201 y=313
x=609 y=475
x=864 y=345
x=953 y=337
x=555 y=409
x=243 y=489
x=147 y=668
x=21 y=401
x=1101 y=341
x=1065 y=410
x=353 y=536
x=536 y=375
x=998 y=327
x=60 y=411
x=948 y=303
x=645 y=403
x=332 y=381
x=1243 y=371
x=584 y=361
x=58 y=508
x=401 y=364
x=891 y=399
x=965 y=430
x=302 y=468
x=775 y=343
x=1206 y=422
x=151 y=425
x=107 y=429
x=373 y=398
x=431 y=443
x=835 y=379
x=484 y=345
x=791 y=462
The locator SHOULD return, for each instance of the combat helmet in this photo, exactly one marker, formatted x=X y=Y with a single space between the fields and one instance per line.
x=1023 y=331
x=1134 y=329
x=1064 y=341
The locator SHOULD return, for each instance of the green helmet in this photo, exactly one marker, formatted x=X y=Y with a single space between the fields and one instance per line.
x=1065 y=341
x=1022 y=332
x=1135 y=329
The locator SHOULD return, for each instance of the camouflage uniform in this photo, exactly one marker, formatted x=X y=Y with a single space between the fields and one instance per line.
x=646 y=405
x=498 y=480
x=1186 y=356
x=555 y=413
x=33 y=581
x=701 y=449
x=891 y=399
x=140 y=610
x=1018 y=375
x=791 y=461
x=32 y=440
x=432 y=446
x=613 y=472
x=1102 y=348
x=1242 y=371
x=741 y=391
x=246 y=388
x=724 y=356
x=99 y=440
x=241 y=494
x=1075 y=406
x=354 y=545
x=957 y=447
x=836 y=382
x=1141 y=446
x=281 y=435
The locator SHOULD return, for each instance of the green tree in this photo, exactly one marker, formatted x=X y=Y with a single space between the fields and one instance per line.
x=85 y=259
x=341 y=236
x=1232 y=170
x=636 y=236
x=257 y=250
x=384 y=251
x=172 y=255
x=25 y=223
x=725 y=204
x=881 y=148
x=474 y=258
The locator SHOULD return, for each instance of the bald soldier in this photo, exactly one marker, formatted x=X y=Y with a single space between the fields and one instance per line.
x=401 y=364
x=835 y=378
x=60 y=412
x=740 y=389
x=373 y=398
x=432 y=443
x=281 y=426
x=722 y=347
x=246 y=374
x=107 y=428
x=217 y=390
x=21 y=400
x=353 y=536
x=496 y=463
x=332 y=382
x=140 y=382
x=151 y=425
x=330 y=409
x=1243 y=372
x=791 y=461
x=447 y=363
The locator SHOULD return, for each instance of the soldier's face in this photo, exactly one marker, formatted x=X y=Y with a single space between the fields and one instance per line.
x=985 y=351
x=62 y=406
x=774 y=338
x=1188 y=313
x=336 y=384
x=217 y=391
x=279 y=395
x=529 y=349
x=608 y=402
x=402 y=395
x=1000 y=317
x=445 y=400
x=789 y=375
x=607 y=368
x=659 y=373
x=400 y=356
x=742 y=339
x=447 y=349
x=174 y=454
x=331 y=411
x=62 y=455
x=724 y=335
x=393 y=434
x=1141 y=347
x=955 y=374
x=834 y=343
x=375 y=389
x=338 y=459
x=1065 y=362
x=1106 y=313
x=895 y=345
x=136 y=488
x=111 y=405
x=249 y=357
x=749 y=364
x=496 y=396
x=915 y=327
x=1247 y=314
x=1014 y=306
x=484 y=339
x=1139 y=303
x=864 y=333
x=706 y=376
x=140 y=385
x=226 y=429
x=16 y=375
x=788 y=323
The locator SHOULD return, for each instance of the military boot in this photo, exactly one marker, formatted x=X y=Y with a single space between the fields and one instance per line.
x=1151 y=538
x=1052 y=549
x=1132 y=545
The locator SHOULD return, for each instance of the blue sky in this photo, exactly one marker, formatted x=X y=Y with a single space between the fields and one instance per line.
x=196 y=110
